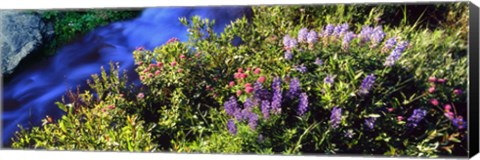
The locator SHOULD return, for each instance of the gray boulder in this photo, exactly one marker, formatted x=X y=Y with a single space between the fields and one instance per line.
x=21 y=33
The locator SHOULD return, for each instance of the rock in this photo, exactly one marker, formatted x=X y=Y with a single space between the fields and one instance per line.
x=21 y=33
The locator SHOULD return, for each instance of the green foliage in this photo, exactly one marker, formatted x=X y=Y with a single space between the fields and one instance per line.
x=181 y=105
x=68 y=25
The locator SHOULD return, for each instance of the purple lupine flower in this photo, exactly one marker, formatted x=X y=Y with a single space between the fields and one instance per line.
x=288 y=55
x=459 y=122
x=365 y=34
x=340 y=29
x=301 y=68
x=389 y=44
x=328 y=31
x=232 y=128
x=347 y=38
x=392 y=58
x=377 y=36
x=335 y=117
x=294 y=88
x=265 y=109
x=416 y=117
x=231 y=106
x=257 y=86
x=367 y=84
x=318 y=61
x=252 y=120
x=396 y=53
x=370 y=122
x=239 y=114
x=248 y=104
x=289 y=42
x=329 y=79
x=263 y=94
x=312 y=37
x=401 y=46
x=277 y=95
x=303 y=104
x=302 y=35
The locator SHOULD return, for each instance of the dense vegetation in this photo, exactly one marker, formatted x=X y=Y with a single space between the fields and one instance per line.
x=317 y=79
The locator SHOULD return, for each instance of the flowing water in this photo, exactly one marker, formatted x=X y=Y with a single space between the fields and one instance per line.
x=30 y=95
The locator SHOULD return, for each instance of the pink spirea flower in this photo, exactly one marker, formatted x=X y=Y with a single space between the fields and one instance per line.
x=236 y=75
x=231 y=84
x=249 y=90
x=150 y=75
x=111 y=107
x=140 y=95
x=261 y=79
x=390 y=109
x=243 y=75
x=458 y=92
x=173 y=64
x=182 y=56
x=400 y=118
x=432 y=79
x=239 y=92
x=240 y=70
x=159 y=64
x=447 y=107
x=179 y=70
x=257 y=71
x=434 y=102
x=441 y=80
x=248 y=85
x=157 y=72
x=431 y=89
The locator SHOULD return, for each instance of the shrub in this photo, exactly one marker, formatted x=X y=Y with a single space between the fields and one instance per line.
x=291 y=86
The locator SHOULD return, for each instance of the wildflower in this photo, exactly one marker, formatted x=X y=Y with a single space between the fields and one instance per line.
x=301 y=68
x=459 y=122
x=302 y=35
x=289 y=42
x=365 y=34
x=261 y=79
x=312 y=38
x=173 y=64
x=389 y=44
x=434 y=102
x=416 y=117
x=240 y=70
x=340 y=29
x=294 y=88
x=111 y=107
x=277 y=95
x=399 y=118
x=441 y=80
x=256 y=87
x=182 y=56
x=266 y=109
x=142 y=78
x=449 y=115
x=458 y=92
x=243 y=75
x=318 y=61
x=347 y=38
x=432 y=79
x=303 y=104
x=140 y=95
x=377 y=36
x=328 y=31
x=431 y=89
x=447 y=107
x=171 y=40
x=239 y=92
x=370 y=122
x=390 y=109
x=231 y=84
x=288 y=55
x=248 y=84
x=249 y=89
x=392 y=58
x=367 y=84
x=335 y=117
x=329 y=79
x=150 y=75
x=349 y=133
x=257 y=71
x=252 y=120
x=232 y=128
x=179 y=70
x=157 y=72
x=236 y=75
x=401 y=46
x=248 y=104
x=231 y=106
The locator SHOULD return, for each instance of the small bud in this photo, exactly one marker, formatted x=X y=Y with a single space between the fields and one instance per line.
x=434 y=102
x=431 y=89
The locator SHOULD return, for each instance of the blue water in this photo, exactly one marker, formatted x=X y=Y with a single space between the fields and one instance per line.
x=30 y=96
